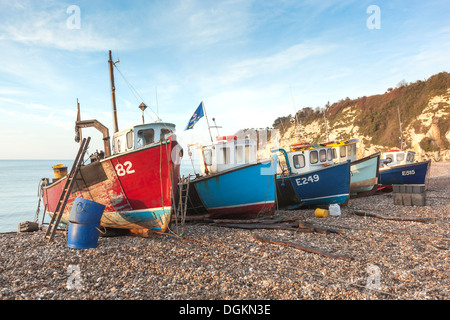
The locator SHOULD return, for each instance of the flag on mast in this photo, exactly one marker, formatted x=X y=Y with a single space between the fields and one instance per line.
x=196 y=116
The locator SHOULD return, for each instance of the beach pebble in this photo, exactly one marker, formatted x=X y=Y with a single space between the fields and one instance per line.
x=390 y=259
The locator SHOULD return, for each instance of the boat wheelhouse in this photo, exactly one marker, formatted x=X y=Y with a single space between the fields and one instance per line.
x=343 y=150
x=227 y=153
x=395 y=157
x=139 y=136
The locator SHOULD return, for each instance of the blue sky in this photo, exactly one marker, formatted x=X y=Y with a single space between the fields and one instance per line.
x=242 y=58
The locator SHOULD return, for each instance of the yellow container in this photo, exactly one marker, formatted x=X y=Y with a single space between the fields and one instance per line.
x=59 y=171
x=321 y=213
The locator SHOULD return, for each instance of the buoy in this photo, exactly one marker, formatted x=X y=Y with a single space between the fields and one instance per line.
x=59 y=171
x=321 y=213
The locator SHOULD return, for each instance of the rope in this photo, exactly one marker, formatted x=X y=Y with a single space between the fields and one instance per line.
x=137 y=95
x=40 y=195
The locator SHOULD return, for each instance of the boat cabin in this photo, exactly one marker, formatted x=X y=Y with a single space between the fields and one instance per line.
x=227 y=152
x=142 y=135
x=344 y=150
x=302 y=160
x=395 y=157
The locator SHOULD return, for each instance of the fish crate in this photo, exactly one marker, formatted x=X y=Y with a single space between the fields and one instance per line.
x=409 y=194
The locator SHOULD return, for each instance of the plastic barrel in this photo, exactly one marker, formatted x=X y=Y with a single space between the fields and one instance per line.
x=84 y=221
x=82 y=236
x=59 y=171
x=86 y=211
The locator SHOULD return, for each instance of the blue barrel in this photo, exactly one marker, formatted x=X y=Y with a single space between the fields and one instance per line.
x=84 y=224
x=86 y=211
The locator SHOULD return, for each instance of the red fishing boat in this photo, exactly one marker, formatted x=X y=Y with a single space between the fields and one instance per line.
x=135 y=180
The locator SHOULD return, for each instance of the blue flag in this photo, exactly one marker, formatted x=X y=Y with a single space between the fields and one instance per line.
x=195 y=117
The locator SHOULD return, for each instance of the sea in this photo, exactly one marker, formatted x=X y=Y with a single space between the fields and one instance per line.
x=20 y=184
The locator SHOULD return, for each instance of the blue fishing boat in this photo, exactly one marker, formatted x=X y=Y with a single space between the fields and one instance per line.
x=364 y=171
x=311 y=178
x=232 y=183
x=398 y=167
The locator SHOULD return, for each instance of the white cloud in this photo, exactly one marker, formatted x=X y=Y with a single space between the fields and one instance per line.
x=276 y=63
x=29 y=106
x=45 y=25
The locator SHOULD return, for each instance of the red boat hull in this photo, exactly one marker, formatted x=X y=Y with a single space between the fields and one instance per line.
x=135 y=187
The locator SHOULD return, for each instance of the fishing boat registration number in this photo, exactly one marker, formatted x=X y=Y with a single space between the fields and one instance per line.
x=306 y=180
x=408 y=173
x=124 y=169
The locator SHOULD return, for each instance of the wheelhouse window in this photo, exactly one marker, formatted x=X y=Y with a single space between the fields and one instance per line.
x=389 y=157
x=400 y=156
x=334 y=153
x=165 y=133
x=299 y=161
x=323 y=155
x=117 y=146
x=207 y=154
x=130 y=140
x=342 y=151
x=313 y=157
x=239 y=152
x=410 y=156
x=248 y=153
x=224 y=155
x=330 y=154
x=147 y=136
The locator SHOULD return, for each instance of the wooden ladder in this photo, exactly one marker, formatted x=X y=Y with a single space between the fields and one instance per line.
x=65 y=194
x=180 y=210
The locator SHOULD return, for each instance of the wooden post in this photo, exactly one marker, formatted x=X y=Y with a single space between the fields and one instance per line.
x=113 y=92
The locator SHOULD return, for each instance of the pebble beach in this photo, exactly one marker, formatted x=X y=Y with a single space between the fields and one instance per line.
x=384 y=259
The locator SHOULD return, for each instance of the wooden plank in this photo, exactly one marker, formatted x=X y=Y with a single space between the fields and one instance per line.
x=380 y=216
x=303 y=248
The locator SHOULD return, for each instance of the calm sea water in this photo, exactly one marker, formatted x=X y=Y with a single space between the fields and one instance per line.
x=19 y=186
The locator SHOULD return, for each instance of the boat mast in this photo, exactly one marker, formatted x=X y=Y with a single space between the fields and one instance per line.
x=296 y=120
x=77 y=129
x=401 y=132
x=326 y=122
x=113 y=92
x=207 y=122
